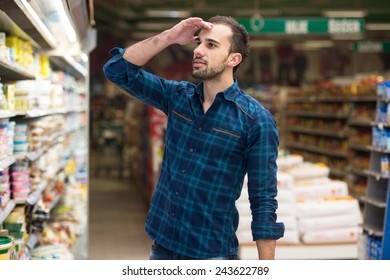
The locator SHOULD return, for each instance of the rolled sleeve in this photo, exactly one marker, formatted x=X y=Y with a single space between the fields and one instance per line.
x=142 y=85
x=261 y=152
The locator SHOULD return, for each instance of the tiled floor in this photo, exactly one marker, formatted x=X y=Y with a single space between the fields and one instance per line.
x=117 y=213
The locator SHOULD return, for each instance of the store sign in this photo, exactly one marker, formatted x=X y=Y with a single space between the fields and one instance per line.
x=294 y=26
x=372 y=47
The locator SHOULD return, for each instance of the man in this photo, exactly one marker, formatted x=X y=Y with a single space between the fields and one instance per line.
x=215 y=135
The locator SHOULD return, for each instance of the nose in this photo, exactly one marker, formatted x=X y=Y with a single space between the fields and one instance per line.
x=198 y=51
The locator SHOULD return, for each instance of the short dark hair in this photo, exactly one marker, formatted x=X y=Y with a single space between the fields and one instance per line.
x=240 y=38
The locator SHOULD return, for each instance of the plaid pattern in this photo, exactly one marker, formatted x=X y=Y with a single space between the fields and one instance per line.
x=205 y=160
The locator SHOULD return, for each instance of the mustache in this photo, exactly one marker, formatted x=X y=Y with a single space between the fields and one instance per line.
x=198 y=59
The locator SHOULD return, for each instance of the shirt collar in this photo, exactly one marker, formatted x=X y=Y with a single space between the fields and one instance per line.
x=230 y=93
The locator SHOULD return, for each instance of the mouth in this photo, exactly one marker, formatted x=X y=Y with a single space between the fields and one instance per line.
x=198 y=62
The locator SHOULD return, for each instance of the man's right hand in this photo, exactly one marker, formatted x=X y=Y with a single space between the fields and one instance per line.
x=183 y=32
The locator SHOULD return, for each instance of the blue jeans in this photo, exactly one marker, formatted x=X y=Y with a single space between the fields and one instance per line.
x=160 y=253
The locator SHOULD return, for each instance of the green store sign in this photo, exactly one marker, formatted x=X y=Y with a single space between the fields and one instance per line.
x=295 y=26
x=372 y=46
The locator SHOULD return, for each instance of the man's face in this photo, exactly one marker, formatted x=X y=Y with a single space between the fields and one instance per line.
x=212 y=52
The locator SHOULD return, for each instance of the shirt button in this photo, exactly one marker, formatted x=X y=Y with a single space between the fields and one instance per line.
x=191 y=150
x=177 y=193
x=183 y=171
x=173 y=214
x=200 y=128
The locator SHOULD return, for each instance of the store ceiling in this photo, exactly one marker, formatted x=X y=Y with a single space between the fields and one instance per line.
x=135 y=19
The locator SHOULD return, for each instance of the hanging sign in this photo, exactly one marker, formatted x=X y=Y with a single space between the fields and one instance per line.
x=295 y=26
x=371 y=46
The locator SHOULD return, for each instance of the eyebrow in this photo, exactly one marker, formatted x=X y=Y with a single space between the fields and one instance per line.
x=208 y=40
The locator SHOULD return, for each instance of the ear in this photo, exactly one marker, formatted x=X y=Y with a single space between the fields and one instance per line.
x=234 y=59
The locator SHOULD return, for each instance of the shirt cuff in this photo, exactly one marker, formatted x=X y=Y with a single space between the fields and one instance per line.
x=267 y=231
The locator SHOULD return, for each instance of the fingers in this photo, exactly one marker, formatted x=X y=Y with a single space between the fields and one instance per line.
x=198 y=23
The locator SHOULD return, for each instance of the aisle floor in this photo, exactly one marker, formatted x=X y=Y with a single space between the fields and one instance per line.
x=117 y=213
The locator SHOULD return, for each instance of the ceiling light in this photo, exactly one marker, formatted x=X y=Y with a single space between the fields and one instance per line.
x=345 y=14
x=263 y=12
x=262 y=44
x=142 y=35
x=154 y=25
x=69 y=30
x=37 y=22
x=167 y=13
x=378 y=26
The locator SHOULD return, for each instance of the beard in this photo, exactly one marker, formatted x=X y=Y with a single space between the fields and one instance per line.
x=209 y=74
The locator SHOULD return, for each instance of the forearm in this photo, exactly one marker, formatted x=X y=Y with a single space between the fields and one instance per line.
x=266 y=249
x=141 y=52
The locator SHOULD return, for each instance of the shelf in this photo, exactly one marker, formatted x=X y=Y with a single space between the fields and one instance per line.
x=4 y=163
x=7 y=210
x=380 y=125
x=316 y=115
x=337 y=172
x=34 y=196
x=364 y=123
x=358 y=172
x=358 y=147
x=377 y=175
x=375 y=202
x=5 y=114
x=312 y=99
x=373 y=229
x=317 y=150
x=317 y=132
x=11 y=72
x=374 y=149
x=70 y=65
x=328 y=251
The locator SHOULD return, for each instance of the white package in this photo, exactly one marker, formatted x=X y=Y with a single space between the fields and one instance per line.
x=290 y=222
x=290 y=237
x=332 y=188
x=349 y=234
x=327 y=207
x=329 y=222
x=286 y=195
x=285 y=208
x=285 y=180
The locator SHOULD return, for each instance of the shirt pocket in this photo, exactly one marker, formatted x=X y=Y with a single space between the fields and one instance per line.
x=179 y=126
x=227 y=144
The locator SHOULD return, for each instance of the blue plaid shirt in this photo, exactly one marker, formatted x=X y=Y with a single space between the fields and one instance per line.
x=205 y=160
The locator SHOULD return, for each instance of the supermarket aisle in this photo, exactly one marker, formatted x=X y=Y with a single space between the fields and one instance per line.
x=117 y=214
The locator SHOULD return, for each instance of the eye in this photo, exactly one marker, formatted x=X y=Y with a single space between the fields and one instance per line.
x=210 y=45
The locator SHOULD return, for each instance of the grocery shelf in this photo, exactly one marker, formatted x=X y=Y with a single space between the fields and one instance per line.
x=375 y=202
x=376 y=174
x=70 y=65
x=319 y=132
x=11 y=71
x=4 y=163
x=374 y=149
x=373 y=229
x=326 y=251
x=364 y=123
x=6 y=114
x=358 y=172
x=316 y=115
x=7 y=210
x=34 y=196
x=317 y=150
x=358 y=147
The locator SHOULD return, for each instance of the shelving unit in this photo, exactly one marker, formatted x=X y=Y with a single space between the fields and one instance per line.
x=312 y=121
x=322 y=126
x=376 y=217
x=73 y=135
